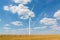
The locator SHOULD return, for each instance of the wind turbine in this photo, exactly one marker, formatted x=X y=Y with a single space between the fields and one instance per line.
x=30 y=22
x=23 y=16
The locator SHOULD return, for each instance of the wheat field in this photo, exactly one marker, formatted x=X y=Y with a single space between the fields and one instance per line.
x=29 y=37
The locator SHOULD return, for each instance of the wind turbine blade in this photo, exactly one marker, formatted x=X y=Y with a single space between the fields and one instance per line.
x=32 y=8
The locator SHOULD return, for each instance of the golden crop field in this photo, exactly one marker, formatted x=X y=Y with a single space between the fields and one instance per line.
x=31 y=37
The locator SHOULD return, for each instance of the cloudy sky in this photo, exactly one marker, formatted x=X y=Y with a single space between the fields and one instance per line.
x=44 y=14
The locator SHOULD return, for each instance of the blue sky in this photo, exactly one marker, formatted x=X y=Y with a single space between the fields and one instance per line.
x=45 y=16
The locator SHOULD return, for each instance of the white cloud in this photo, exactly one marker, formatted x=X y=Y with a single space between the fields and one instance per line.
x=6 y=8
x=55 y=28
x=17 y=23
x=43 y=27
x=16 y=31
x=6 y=25
x=6 y=28
x=22 y=1
x=13 y=9
x=10 y=8
x=23 y=11
x=57 y=15
x=48 y=21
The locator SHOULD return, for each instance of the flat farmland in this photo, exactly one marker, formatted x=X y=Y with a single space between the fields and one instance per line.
x=29 y=37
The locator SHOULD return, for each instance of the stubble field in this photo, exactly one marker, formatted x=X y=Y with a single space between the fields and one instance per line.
x=29 y=37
